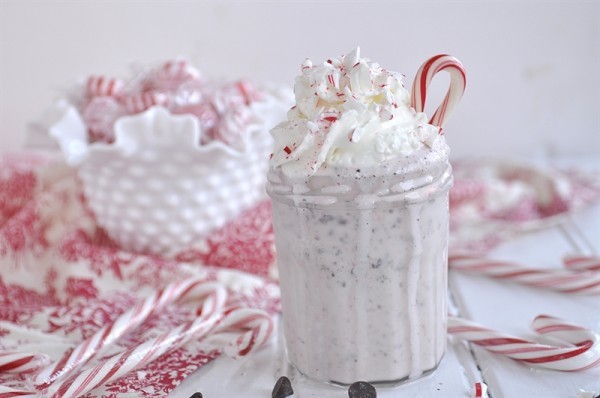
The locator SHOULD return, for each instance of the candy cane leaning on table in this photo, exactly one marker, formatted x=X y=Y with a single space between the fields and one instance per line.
x=577 y=262
x=21 y=362
x=424 y=76
x=259 y=323
x=193 y=289
x=582 y=350
x=565 y=281
x=8 y=392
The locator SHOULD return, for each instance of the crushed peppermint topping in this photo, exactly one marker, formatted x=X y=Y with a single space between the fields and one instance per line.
x=349 y=111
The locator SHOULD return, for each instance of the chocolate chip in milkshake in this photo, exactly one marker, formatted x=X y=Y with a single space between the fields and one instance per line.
x=283 y=388
x=196 y=395
x=362 y=389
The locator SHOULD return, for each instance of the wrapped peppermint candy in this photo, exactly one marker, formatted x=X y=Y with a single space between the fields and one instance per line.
x=168 y=156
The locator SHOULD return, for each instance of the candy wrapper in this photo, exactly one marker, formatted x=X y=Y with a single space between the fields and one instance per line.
x=168 y=156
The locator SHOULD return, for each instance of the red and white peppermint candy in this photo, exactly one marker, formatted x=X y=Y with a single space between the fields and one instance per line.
x=171 y=75
x=424 y=76
x=100 y=115
x=578 y=262
x=565 y=281
x=19 y=362
x=179 y=69
x=581 y=350
x=102 y=86
x=232 y=126
x=195 y=290
x=206 y=114
x=248 y=91
x=139 y=102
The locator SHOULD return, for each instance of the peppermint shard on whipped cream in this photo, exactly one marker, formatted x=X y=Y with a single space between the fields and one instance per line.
x=349 y=112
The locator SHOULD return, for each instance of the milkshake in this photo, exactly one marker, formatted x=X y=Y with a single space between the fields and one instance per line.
x=359 y=181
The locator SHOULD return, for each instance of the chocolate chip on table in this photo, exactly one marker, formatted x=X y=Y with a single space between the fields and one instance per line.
x=362 y=389
x=283 y=388
x=196 y=395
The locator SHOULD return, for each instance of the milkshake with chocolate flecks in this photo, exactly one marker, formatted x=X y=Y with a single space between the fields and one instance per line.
x=359 y=181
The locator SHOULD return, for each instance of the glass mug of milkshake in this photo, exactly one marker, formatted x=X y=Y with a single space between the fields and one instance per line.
x=359 y=180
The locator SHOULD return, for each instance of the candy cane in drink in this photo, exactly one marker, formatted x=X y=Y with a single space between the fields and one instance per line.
x=565 y=281
x=20 y=362
x=193 y=289
x=423 y=78
x=578 y=262
x=580 y=349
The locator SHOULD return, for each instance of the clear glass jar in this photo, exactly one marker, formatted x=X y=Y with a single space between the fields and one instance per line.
x=363 y=269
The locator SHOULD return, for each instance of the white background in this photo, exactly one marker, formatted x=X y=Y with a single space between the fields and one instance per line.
x=533 y=66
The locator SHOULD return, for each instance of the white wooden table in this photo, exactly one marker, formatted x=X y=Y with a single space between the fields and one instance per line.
x=500 y=305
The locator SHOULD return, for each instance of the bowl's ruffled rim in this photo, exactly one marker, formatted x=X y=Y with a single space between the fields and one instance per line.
x=65 y=126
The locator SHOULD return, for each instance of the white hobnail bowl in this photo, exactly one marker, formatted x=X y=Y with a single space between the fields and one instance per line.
x=156 y=189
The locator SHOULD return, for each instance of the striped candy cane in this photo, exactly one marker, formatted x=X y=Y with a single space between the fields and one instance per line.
x=242 y=331
x=480 y=390
x=102 y=86
x=581 y=350
x=579 y=262
x=8 y=392
x=194 y=289
x=457 y=87
x=21 y=363
x=135 y=358
x=565 y=281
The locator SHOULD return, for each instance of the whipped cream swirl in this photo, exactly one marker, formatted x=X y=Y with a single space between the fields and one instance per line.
x=349 y=112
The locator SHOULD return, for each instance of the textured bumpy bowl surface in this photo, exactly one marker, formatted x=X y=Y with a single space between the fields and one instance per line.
x=156 y=189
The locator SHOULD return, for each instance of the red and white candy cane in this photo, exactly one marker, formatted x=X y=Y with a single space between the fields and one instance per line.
x=21 y=363
x=581 y=350
x=135 y=358
x=194 y=289
x=255 y=327
x=8 y=392
x=579 y=262
x=427 y=71
x=480 y=390
x=102 y=86
x=565 y=281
